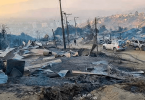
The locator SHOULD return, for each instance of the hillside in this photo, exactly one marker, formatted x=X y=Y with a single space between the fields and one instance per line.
x=126 y=26
x=123 y=20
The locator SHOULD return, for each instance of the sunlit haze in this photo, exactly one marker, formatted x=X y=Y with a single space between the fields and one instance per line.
x=21 y=15
x=12 y=7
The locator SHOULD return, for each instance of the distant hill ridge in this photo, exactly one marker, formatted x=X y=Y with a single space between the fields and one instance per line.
x=123 y=20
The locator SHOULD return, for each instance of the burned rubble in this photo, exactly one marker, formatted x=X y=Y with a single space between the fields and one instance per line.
x=89 y=53
x=57 y=74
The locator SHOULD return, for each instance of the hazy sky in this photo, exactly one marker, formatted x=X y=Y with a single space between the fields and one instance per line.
x=14 y=6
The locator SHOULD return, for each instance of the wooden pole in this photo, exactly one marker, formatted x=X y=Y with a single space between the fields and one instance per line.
x=54 y=38
x=75 y=25
x=96 y=33
x=62 y=25
x=67 y=28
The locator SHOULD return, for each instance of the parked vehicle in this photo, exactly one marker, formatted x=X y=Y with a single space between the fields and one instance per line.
x=137 y=43
x=115 y=45
x=101 y=42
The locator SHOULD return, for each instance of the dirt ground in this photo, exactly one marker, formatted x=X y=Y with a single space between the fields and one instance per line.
x=115 y=92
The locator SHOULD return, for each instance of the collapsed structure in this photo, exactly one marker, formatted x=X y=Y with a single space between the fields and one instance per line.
x=56 y=74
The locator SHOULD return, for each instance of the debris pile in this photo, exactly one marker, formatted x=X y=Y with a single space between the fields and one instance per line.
x=63 y=74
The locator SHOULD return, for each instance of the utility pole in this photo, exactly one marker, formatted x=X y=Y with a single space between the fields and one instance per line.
x=103 y=36
x=96 y=33
x=120 y=35
x=110 y=34
x=67 y=28
x=10 y=39
x=38 y=35
x=54 y=38
x=62 y=25
x=75 y=25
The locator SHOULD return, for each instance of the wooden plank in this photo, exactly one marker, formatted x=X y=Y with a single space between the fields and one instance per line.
x=89 y=73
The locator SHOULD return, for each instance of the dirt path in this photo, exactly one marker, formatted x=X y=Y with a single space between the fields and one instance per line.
x=115 y=92
x=128 y=54
x=140 y=55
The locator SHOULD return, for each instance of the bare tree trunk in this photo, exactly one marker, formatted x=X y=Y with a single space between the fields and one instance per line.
x=95 y=41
